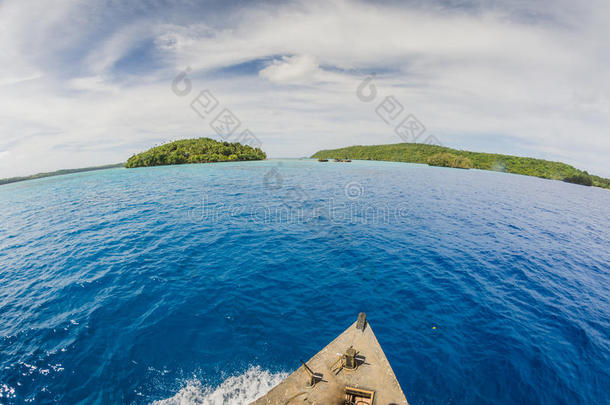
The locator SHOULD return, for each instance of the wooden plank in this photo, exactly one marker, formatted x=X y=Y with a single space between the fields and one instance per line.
x=373 y=374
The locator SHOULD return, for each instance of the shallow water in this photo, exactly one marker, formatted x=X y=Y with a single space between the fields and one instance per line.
x=207 y=283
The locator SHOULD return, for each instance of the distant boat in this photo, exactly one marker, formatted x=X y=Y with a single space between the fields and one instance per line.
x=351 y=370
x=322 y=160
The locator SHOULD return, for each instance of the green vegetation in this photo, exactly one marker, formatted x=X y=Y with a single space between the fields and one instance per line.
x=449 y=160
x=200 y=150
x=421 y=153
x=58 y=173
x=582 y=179
x=599 y=181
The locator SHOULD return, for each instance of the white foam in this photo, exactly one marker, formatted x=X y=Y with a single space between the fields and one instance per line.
x=7 y=392
x=238 y=390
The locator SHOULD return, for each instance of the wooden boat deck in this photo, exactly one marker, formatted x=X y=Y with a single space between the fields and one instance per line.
x=373 y=373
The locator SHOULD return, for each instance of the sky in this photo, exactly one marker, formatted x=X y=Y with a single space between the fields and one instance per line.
x=85 y=83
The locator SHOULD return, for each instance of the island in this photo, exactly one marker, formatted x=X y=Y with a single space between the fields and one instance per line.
x=59 y=173
x=199 y=150
x=435 y=155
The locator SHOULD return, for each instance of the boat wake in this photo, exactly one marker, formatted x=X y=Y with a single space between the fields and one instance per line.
x=237 y=390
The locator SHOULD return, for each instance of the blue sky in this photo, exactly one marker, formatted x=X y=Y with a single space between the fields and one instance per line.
x=89 y=82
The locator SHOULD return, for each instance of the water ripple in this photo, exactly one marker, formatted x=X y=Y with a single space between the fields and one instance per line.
x=198 y=284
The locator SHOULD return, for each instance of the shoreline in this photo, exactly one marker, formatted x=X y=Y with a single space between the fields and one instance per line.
x=61 y=172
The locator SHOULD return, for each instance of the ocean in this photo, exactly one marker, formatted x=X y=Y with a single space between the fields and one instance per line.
x=207 y=284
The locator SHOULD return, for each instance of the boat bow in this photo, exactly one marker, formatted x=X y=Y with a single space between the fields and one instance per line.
x=352 y=369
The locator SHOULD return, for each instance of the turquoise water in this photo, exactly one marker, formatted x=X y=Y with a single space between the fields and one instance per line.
x=209 y=282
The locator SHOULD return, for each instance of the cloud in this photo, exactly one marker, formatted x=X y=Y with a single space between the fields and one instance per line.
x=294 y=69
x=91 y=85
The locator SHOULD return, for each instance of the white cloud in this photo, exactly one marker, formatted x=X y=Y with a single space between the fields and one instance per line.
x=93 y=84
x=472 y=78
x=295 y=69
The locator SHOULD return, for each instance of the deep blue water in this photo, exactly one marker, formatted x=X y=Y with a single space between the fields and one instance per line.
x=200 y=282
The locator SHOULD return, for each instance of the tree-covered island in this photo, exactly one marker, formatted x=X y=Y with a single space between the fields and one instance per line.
x=59 y=173
x=435 y=155
x=199 y=150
